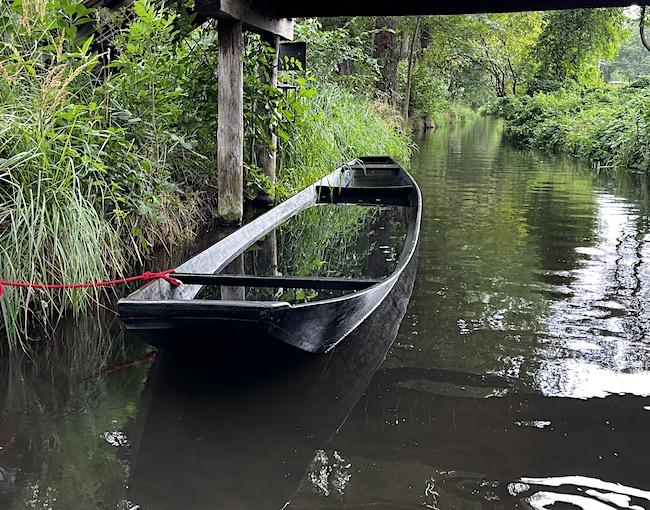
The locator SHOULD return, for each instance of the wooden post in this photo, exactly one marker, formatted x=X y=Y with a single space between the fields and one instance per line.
x=230 y=293
x=267 y=256
x=266 y=156
x=230 y=129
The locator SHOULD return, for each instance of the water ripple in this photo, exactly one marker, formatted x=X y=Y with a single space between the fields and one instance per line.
x=582 y=492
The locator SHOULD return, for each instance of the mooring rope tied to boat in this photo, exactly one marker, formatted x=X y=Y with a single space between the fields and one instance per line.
x=146 y=276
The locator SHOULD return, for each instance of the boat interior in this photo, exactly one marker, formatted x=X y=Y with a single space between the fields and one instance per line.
x=365 y=254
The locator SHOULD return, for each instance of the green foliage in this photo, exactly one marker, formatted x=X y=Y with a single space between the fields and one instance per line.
x=257 y=183
x=470 y=58
x=572 y=41
x=478 y=56
x=341 y=55
x=632 y=61
x=500 y=45
x=606 y=126
x=267 y=113
x=429 y=100
x=331 y=126
x=147 y=97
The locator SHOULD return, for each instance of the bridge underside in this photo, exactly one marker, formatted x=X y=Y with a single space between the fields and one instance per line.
x=302 y=8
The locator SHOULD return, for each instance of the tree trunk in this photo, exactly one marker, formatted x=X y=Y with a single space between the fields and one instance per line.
x=387 y=53
x=425 y=38
x=234 y=293
x=644 y=40
x=407 y=92
x=404 y=47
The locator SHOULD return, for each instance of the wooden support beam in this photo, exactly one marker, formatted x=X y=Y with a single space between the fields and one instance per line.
x=234 y=292
x=252 y=18
x=230 y=129
x=288 y=282
x=267 y=255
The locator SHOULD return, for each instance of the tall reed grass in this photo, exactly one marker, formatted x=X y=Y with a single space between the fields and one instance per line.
x=65 y=206
x=51 y=231
x=333 y=126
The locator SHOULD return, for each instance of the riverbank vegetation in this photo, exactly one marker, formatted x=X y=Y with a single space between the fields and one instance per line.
x=587 y=93
x=106 y=155
x=108 y=121
x=606 y=126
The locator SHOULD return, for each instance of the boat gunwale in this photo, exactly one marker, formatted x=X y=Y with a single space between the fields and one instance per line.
x=303 y=200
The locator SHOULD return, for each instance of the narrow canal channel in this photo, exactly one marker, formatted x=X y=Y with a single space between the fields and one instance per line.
x=517 y=377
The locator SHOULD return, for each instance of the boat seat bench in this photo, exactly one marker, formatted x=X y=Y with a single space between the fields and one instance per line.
x=366 y=195
x=291 y=282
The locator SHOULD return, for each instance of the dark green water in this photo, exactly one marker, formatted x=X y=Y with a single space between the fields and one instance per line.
x=518 y=376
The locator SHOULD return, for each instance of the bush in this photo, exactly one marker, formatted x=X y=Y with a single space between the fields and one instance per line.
x=605 y=126
x=332 y=126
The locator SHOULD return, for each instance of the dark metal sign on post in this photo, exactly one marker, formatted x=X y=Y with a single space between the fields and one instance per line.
x=292 y=56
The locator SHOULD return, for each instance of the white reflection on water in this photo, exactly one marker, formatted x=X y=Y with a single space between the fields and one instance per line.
x=581 y=378
x=596 y=341
x=582 y=492
x=329 y=475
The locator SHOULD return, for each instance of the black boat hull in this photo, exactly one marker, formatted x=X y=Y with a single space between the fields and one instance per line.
x=313 y=327
x=164 y=316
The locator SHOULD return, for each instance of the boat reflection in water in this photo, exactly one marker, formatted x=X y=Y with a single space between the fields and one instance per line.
x=239 y=427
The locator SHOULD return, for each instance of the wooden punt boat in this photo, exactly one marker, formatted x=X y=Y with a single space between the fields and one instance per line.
x=165 y=315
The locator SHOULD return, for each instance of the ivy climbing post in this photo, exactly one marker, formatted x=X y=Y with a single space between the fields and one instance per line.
x=266 y=153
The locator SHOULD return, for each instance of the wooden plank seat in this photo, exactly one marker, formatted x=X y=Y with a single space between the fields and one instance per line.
x=375 y=166
x=289 y=282
x=366 y=195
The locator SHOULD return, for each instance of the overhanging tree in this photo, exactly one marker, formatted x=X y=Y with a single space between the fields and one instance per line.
x=572 y=41
x=501 y=46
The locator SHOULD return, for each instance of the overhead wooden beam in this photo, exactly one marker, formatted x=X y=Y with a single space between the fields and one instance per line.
x=252 y=18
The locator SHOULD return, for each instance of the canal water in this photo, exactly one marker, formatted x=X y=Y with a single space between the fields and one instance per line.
x=516 y=376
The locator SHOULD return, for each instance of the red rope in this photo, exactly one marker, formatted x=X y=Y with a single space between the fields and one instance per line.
x=164 y=275
x=108 y=371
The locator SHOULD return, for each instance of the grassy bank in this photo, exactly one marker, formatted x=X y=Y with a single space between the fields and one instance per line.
x=331 y=126
x=83 y=199
x=100 y=165
x=605 y=126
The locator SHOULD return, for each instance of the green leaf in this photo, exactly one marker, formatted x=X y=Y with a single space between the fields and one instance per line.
x=86 y=45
